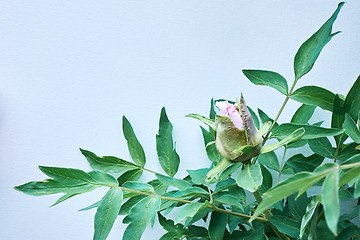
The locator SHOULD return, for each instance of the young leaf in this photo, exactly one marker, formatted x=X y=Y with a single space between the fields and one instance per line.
x=140 y=215
x=311 y=48
x=107 y=212
x=168 y=157
x=310 y=209
x=267 y=78
x=250 y=177
x=330 y=200
x=108 y=163
x=311 y=131
x=351 y=128
x=322 y=147
x=135 y=149
x=217 y=225
x=315 y=96
x=294 y=136
x=303 y=114
x=207 y=121
x=300 y=182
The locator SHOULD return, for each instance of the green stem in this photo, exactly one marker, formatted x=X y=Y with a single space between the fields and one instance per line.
x=280 y=110
x=145 y=169
x=190 y=202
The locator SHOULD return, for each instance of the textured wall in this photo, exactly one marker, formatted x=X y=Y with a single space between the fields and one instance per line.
x=71 y=69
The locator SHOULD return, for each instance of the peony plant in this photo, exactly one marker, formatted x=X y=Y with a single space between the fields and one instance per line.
x=238 y=195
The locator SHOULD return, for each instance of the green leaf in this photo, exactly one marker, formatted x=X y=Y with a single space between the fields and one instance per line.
x=217 y=225
x=314 y=96
x=310 y=209
x=228 y=199
x=190 y=210
x=337 y=118
x=107 y=212
x=255 y=117
x=132 y=175
x=224 y=185
x=303 y=114
x=212 y=112
x=51 y=186
x=351 y=128
x=168 y=157
x=300 y=182
x=265 y=118
x=230 y=170
x=209 y=141
x=286 y=225
x=169 y=225
x=352 y=173
x=108 y=163
x=348 y=151
x=311 y=131
x=140 y=215
x=357 y=188
x=352 y=100
x=135 y=149
x=310 y=50
x=89 y=188
x=169 y=181
x=330 y=200
x=125 y=208
x=269 y=160
x=300 y=163
x=198 y=176
x=138 y=186
x=322 y=147
x=205 y=120
x=297 y=206
x=250 y=177
x=294 y=136
x=267 y=180
x=72 y=176
x=267 y=78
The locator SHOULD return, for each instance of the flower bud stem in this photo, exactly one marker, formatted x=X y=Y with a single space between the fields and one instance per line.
x=217 y=169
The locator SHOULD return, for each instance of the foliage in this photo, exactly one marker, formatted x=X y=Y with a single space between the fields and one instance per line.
x=281 y=210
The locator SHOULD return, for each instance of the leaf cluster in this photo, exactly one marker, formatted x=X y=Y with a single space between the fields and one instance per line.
x=222 y=207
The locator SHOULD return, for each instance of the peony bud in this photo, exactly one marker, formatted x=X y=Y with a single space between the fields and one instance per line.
x=237 y=138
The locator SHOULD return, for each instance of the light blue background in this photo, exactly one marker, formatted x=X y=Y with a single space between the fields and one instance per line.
x=71 y=69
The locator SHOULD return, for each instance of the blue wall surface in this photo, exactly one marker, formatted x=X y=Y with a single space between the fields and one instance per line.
x=71 y=69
